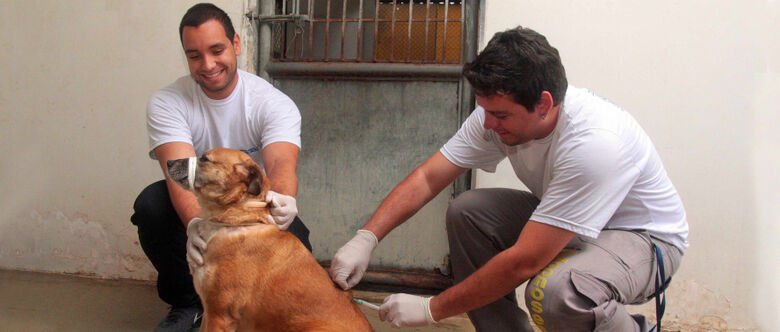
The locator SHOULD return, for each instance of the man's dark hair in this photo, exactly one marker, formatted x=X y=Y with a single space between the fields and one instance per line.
x=202 y=12
x=520 y=63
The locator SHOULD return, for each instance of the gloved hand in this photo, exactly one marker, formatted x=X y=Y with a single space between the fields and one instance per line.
x=283 y=208
x=351 y=260
x=402 y=310
x=196 y=244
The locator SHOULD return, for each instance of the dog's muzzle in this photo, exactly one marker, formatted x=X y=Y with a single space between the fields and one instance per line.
x=182 y=171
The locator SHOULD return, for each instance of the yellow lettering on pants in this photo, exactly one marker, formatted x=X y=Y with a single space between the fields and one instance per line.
x=538 y=285
x=536 y=307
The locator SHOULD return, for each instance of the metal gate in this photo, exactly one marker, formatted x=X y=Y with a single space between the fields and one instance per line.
x=379 y=88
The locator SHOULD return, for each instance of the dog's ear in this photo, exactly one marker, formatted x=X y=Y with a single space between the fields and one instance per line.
x=254 y=178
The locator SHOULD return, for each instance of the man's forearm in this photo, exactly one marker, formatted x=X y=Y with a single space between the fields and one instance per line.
x=422 y=185
x=537 y=245
x=500 y=276
x=184 y=202
x=280 y=161
x=401 y=204
x=284 y=182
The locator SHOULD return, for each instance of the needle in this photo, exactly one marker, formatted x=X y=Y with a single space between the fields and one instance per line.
x=370 y=305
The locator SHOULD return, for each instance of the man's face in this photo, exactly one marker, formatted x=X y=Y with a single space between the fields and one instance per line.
x=212 y=58
x=510 y=120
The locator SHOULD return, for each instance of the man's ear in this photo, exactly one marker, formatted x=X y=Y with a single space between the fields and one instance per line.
x=237 y=44
x=545 y=103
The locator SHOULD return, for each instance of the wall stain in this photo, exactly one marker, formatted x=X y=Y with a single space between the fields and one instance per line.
x=55 y=242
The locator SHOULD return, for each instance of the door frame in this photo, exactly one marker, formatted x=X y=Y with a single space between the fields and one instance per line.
x=385 y=279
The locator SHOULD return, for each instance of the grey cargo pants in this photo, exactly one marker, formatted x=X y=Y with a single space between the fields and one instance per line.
x=583 y=289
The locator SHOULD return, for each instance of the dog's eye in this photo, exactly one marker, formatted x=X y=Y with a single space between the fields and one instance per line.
x=203 y=158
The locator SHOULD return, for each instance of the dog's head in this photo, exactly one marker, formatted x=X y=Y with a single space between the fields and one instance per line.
x=220 y=178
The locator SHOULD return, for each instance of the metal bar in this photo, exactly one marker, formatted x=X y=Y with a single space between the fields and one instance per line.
x=395 y=71
x=466 y=95
x=392 y=34
x=284 y=7
x=311 y=29
x=343 y=26
x=376 y=26
x=416 y=281
x=354 y=20
x=360 y=32
x=444 y=39
x=462 y=30
x=327 y=31
x=409 y=32
x=296 y=35
x=427 y=13
x=264 y=49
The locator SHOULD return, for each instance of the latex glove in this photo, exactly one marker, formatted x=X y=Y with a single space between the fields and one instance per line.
x=402 y=310
x=196 y=244
x=283 y=208
x=351 y=260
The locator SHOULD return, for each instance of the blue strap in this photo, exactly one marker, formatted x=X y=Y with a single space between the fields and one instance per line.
x=660 y=288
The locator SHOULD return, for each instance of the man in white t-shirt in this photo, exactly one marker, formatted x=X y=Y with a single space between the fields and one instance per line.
x=217 y=105
x=588 y=235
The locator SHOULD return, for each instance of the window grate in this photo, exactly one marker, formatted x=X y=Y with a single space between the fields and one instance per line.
x=379 y=31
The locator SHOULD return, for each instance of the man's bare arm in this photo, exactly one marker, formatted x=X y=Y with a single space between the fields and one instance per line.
x=280 y=161
x=184 y=202
x=422 y=185
x=536 y=247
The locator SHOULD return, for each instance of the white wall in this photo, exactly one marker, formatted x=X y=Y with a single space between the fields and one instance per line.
x=76 y=79
x=701 y=77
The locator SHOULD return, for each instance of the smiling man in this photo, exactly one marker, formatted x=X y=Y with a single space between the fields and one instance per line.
x=587 y=237
x=217 y=105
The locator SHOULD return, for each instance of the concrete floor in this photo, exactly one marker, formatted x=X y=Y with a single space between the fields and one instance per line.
x=34 y=302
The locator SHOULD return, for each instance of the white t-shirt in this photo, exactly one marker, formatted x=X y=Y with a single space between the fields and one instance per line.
x=597 y=170
x=254 y=115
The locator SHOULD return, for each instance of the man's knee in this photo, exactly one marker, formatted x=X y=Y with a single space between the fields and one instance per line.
x=152 y=205
x=459 y=208
x=552 y=296
x=544 y=299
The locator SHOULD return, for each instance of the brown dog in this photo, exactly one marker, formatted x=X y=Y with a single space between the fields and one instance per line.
x=256 y=277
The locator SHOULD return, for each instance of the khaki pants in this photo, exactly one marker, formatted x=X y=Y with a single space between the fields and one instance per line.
x=583 y=289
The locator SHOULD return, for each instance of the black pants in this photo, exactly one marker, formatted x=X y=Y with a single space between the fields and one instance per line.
x=163 y=239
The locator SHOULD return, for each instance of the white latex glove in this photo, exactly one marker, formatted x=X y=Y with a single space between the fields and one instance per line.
x=402 y=310
x=351 y=260
x=283 y=208
x=196 y=244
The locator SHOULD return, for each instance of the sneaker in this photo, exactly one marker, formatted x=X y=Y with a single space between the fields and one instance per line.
x=181 y=319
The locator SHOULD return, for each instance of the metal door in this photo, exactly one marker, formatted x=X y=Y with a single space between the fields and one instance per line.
x=379 y=89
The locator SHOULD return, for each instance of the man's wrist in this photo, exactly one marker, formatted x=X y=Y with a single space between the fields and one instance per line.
x=370 y=236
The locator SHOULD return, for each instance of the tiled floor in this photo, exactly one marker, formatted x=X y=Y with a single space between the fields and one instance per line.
x=49 y=302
